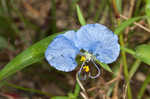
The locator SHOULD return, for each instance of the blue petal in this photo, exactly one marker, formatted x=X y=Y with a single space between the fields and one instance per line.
x=100 y=41
x=106 y=53
x=71 y=35
x=61 y=54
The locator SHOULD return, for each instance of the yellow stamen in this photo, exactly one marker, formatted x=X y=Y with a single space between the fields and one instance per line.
x=83 y=59
x=86 y=68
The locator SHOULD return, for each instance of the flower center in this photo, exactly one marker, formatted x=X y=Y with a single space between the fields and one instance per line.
x=87 y=58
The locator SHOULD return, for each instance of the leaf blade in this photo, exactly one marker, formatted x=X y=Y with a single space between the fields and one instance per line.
x=125 y=24
x=147 y=10
x=105 y=66
x=31 y=55
x=80 y=15
x=143 y=53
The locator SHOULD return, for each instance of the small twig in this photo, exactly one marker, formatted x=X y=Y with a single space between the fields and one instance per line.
x=91 y=89
x=135 y=26
x=115 y=94
x=94 y=88
x=113 y=80
x=129 y=16
x=131 y=8
x=116 y=78
x=84 y=93
x=139 y=25
x=125 y=91
x=79 y=82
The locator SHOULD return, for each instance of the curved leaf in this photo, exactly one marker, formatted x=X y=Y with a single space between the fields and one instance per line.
x=31 y=55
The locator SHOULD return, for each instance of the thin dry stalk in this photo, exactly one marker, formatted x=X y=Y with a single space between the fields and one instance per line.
x=139 y=25
x=84 y=93
x=129 y=16
x=125 y=91
x=115 y=94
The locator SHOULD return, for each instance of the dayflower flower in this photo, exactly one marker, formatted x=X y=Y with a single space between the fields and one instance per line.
x=96 y=41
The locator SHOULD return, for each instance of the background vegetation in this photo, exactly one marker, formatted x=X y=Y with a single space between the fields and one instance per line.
x=28 y=26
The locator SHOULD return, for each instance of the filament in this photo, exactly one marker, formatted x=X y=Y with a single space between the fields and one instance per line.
x=98 y=69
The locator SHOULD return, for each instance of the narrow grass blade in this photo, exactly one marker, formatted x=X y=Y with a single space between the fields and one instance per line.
x=80 y=15
x=31 y=55
x=147 y=10
x=134 y=68
x=144 y=85
x=125 y=24
x=105 y=66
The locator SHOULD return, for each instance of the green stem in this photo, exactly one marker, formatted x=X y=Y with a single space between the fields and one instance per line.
x=130 y=51
x=134 y=68
x=125 y=66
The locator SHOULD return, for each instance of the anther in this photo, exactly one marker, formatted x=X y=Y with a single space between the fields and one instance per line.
x=83 y=59
x=86 y=68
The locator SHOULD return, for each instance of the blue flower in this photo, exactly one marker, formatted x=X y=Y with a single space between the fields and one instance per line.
x=97 y=41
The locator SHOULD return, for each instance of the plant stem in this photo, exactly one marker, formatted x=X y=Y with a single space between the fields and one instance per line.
x=130 y=51
x=125 y=66
x=134 y=68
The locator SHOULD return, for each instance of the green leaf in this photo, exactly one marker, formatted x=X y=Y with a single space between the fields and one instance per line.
x=147 y=10
x=143 y=53
x=31 y=55
x=105 y=66
x=80 y=15
x=125 y=24
x=60 y=97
